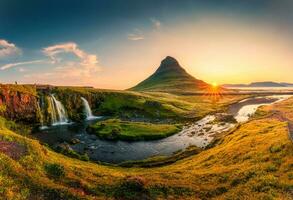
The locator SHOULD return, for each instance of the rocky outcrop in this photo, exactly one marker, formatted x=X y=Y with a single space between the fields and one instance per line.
x=19 y=103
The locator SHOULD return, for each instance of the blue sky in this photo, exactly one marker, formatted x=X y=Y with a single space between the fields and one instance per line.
x=115 y=44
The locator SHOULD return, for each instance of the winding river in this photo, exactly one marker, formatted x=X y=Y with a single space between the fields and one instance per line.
x=200 y=134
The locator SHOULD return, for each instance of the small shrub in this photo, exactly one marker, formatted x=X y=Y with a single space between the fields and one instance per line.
x=266 y=184
x=236 y=182
x=275 y=148
x=55 y=170
x=84 y=157
x=271 y=168
x=160 y=190
x=224 y=178
x=131 y=188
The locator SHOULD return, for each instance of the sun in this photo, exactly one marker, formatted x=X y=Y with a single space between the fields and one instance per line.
x=215 y=85
x=214 y=92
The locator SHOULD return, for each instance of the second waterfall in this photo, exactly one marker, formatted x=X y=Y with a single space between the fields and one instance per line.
x=58 y=112
x=87 y=110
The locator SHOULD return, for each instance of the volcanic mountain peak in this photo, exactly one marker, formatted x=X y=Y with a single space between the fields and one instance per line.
x=169 y=63
x=170 y=77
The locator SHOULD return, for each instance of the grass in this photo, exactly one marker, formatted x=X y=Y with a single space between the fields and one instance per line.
x=115 y=129
x=152 y=106
x=252 y=162
x=25 y=89
x=172 y=78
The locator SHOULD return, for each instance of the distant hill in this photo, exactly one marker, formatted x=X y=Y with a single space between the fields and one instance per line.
x=287 y=84
x=260 y=84
x=171 y=77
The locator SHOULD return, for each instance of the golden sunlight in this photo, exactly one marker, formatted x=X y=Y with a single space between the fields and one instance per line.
x=215 y=84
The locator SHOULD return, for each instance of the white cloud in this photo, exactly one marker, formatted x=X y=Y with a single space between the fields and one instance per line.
x=8 y=49
x=10 y=65
x=21 y=69
x=136 y=35
x=70 y=47
x=64 y=70
x=68 y=72
x=156 y=23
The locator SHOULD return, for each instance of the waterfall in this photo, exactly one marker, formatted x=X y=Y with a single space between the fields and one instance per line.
x=87 y=109
x=58 y=112
x=40 y=114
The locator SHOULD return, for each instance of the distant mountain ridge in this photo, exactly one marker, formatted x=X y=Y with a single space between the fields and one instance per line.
x=261 y=84
x=171 y=77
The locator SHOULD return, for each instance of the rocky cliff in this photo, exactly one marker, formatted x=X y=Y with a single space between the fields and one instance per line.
x=19 y=103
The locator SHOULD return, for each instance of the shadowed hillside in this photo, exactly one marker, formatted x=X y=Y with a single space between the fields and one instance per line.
x=171 y=77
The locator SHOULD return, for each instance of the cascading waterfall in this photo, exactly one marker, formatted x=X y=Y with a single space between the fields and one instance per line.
x=40 y=114
x=87 y=109
x=58 y=112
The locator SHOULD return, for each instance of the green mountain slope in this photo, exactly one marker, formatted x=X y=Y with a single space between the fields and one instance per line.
x=171 y=77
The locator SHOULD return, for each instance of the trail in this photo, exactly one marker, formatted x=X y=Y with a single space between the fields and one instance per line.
x=280 y=116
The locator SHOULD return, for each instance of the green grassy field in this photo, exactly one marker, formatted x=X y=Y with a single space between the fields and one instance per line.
x=115 y=129
x=255 y=161
x=152 y=106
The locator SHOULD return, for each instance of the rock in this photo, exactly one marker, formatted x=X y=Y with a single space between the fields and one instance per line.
x=63 y=147
x=20 y=103
x=227 y=118
x=75 y=141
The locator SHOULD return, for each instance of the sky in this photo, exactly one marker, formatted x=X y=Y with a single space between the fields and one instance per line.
x=115 y=44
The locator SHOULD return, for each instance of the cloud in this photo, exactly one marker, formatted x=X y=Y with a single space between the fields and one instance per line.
x=70 y=47
x=68 y=72
x=156 y=23
x=8 y=49
x=21 y=69
x=10 y=65
x=136 y=35
x=63 y=70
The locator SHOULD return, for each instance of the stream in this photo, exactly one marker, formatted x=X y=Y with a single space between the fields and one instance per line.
x=200 y=134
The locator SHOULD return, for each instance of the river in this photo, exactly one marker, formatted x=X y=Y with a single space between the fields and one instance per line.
x=200 y=134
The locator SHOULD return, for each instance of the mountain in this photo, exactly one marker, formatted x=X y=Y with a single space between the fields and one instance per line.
x=265 y=84
x=171 y=77
x=260 y=84
x=287 y=84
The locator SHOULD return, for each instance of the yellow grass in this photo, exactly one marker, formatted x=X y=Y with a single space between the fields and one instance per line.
x=253 y=162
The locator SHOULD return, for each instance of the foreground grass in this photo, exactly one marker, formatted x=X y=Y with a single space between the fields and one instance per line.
x=255 y=161
x=115 y=129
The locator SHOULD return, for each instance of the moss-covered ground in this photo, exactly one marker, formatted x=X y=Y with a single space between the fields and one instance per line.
x=115 y=129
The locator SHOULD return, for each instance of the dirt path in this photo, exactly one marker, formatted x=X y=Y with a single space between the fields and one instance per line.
x=280 y=116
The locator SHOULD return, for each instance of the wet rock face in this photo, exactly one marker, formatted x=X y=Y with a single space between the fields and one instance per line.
x=18 y=106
